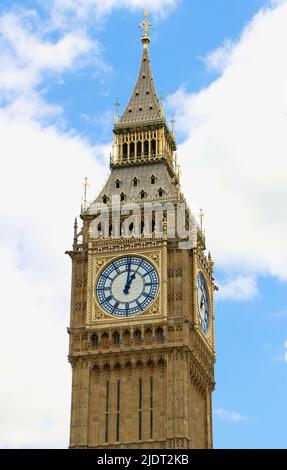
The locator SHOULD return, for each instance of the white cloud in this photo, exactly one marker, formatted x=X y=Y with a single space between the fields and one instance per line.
x=32 y=51
x=28 y=57
x=33 y=401
x=285 y=355
x=41 y=188
x=229 y=416
x=80 y=10
x=234 y=155
x=218 y=59
x=238 y=288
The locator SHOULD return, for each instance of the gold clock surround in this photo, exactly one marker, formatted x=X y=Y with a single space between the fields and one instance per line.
x=96 y=263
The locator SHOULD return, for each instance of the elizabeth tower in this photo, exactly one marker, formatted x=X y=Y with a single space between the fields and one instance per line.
x=142 y=306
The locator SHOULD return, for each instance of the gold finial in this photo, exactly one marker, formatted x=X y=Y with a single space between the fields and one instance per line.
x=201 y=216
x=117 y=105
x=211 y=262
x=75 y=232
x=85 y=184
x=146 y=26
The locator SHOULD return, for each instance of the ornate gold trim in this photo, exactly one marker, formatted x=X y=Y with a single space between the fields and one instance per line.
x=96 y=263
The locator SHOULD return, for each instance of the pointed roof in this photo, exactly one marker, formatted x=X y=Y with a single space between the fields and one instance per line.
x=144 y=106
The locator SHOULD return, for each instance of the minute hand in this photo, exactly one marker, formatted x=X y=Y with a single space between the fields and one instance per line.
x=129 y=270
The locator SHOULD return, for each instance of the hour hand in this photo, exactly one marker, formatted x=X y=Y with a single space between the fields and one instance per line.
x=202 y=301
x=128 y=284
x=126 y=288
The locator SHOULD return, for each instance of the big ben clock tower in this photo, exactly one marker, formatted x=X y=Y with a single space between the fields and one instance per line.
x=142 y=307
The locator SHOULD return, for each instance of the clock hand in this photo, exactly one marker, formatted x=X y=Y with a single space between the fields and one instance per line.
x=202 y=301
x=126 y=288
x=129 y=270
x=132 y=278
x=128 y=284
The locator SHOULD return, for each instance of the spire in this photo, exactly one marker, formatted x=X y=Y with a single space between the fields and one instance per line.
x=144 y=106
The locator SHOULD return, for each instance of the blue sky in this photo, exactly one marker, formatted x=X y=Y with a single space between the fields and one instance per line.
x=222 y=68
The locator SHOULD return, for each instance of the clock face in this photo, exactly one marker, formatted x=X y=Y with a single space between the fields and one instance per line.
x=127 y=286
x=202 y=303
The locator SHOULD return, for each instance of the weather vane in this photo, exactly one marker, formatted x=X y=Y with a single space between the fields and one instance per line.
x=145 y=26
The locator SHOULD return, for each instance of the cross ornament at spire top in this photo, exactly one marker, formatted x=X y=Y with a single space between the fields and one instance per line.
x=145 y=26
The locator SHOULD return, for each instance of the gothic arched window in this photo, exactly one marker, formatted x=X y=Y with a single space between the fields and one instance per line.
x=153 y=179
x=116 y=339
x=95 y=340
x=132 y=150
x=125 y=151
x=138 y=336
x=139 y=149
x=146 y=148
x=159 y=334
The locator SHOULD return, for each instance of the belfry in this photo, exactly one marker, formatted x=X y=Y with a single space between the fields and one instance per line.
x=141 y=329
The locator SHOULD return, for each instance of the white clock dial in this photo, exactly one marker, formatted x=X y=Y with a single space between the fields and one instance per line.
x=127 y=286
x=202 y=303
x=118 y=288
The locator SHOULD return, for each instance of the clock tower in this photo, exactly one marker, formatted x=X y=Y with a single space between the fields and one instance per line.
x=142 y=306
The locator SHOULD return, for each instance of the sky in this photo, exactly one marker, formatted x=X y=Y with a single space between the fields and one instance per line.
x=221 y=67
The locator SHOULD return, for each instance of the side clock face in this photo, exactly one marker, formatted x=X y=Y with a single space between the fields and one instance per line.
x=202 y=303
x=127 y=286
